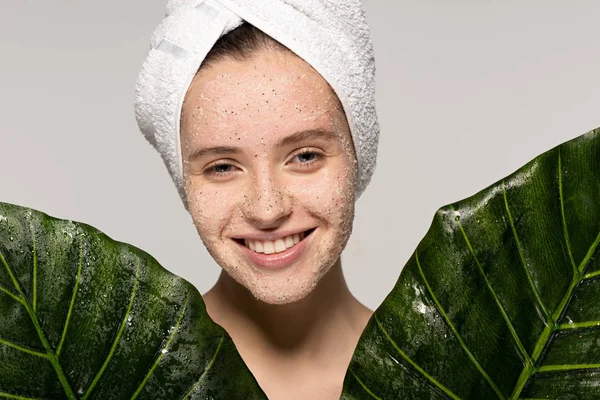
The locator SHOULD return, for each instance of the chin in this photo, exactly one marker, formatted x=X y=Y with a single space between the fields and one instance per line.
x=282 y=288
x=283 y=293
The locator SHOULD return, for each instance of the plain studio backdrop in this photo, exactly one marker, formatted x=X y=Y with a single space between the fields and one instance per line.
x=467 y=92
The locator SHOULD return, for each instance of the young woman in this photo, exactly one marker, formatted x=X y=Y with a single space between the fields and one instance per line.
x=270 y=175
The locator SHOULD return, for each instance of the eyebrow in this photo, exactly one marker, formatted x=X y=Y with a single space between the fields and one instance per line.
x=213 y=150
x=286 y=141
x=306 y=135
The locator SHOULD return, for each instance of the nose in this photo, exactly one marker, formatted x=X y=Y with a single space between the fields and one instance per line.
x=266 y=204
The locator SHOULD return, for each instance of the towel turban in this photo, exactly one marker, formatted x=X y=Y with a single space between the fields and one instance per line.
x=330 y=35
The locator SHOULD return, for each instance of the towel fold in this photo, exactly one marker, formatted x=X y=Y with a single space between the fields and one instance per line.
x=330 y=35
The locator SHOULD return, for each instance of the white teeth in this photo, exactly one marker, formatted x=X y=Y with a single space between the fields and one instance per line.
x=277 y=246
x=258 y=247
x=269 y=247
x=289 y=241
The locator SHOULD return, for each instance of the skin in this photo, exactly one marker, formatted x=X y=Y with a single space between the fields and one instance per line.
x=295 y=327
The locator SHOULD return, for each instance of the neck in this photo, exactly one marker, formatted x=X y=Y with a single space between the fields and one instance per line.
x=303 y=326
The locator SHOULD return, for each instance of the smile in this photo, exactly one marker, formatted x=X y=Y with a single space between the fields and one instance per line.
x=275 y=246
x=277 y=253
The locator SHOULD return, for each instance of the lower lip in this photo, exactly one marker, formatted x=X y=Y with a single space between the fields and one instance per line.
x=277 y=260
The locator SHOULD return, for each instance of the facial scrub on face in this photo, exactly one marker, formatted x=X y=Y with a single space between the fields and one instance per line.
x=330 y=35
x=270 y=172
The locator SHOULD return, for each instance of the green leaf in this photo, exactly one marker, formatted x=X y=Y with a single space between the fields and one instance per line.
x=501 y=299
x=85 y=317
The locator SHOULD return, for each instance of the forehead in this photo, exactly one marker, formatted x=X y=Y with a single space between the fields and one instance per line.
x=271 y=89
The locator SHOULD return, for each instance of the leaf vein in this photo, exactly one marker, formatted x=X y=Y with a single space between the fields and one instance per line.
x=50 y=355
x=23 y=349
x=206 y=369
x=14 y=396
x=414 y=364
x=72 y=302
x=577 y=275
x=11 y=294
x=562 y=215
x=565 y=368
x=117 y=336
x=589 y=255
x=10 y=273
x=160 y=353
x=34 y=273
x=579 y=325
x=592 y=275
x=509 y=324
x=522 y=257
x=366 y=389
x=455 y=332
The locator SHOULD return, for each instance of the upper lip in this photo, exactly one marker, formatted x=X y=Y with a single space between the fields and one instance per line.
x=271 y=236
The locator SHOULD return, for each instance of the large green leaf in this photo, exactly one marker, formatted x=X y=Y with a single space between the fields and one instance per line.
x=501 y=299
x=86 y=317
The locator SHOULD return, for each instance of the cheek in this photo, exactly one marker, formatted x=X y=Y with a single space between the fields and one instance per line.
x=341 y=198
x=211 y=209
x=331 y=194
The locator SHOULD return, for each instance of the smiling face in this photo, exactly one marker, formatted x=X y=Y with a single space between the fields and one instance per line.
x=269 y=172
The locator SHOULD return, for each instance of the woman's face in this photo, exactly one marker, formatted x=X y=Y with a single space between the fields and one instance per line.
x=269 y=172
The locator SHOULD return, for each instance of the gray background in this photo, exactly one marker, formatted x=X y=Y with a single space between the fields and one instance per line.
x=467 y=92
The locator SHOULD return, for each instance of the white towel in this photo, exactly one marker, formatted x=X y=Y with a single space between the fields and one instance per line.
x=330 y=35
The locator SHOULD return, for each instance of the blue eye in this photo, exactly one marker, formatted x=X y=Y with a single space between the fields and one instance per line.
x=307 y=158
x=222 y=168
x=219 y=170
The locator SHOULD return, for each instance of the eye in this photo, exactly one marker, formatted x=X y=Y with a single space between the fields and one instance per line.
x=220 y=169
x=307 y=158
